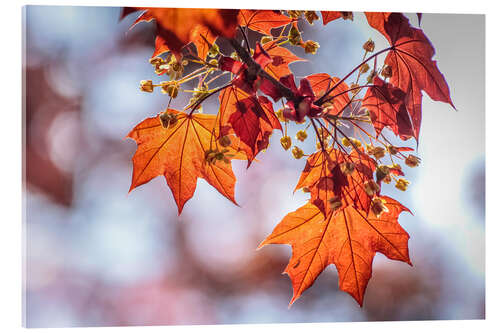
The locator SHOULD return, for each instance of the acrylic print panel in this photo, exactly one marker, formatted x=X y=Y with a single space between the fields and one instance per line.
x=351 y=140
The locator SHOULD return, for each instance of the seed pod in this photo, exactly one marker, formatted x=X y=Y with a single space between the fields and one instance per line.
x=402 y=184
x=387 y=72
x=294 y=36
x=371 y=188
x=286 y=142
x=378 y=206
x=301 y=135
x=311 y=46
x=225 y=141
x=147 y=86
x=297 y=152
x=412 y=161
x=369 y=45
x=311 y=16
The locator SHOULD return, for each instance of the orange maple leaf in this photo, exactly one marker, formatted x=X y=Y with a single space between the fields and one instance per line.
x=263 y=20
x=179 y=152
x=177 y=27
x=281 y=59
x=338 y=97
x=348 y=238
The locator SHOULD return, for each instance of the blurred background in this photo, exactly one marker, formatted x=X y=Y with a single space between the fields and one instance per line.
x=97 y=256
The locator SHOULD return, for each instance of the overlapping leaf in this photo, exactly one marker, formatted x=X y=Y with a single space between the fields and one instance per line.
x=251 y=118
x=338 y=97
x=176 y=26
x=262 y=20
x=179 y=154
x=349 y=239
x=281 y=59
x=386 y=105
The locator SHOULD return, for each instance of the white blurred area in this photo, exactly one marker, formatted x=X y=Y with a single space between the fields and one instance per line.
x=108 y=258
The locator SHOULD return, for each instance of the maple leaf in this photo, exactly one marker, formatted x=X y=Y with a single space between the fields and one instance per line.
x=202 y=38
x=386 y=105
x=325 y=179
x=281 y=59
x=175 y=26
x=179 y=153
x=251 y=118
x=412 y=67
x=349 y=239
x=329 y=16
x=263 y=20
x=338 y=97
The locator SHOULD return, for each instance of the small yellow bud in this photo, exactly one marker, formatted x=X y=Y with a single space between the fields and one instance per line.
x=371 y=188
x=370 y=77
x=402 y=184
x=279 y=115
x=311 y=46
x=295 y=13
x=234 y=55
x=311 y=16
x=294 y=37
x=286 y=142
x=347 y=168
x=377 y=152
x=392 y=150
x=378 y=206
x=147 y=86
x=382 y=172
x=412 y=161
x=225 y=141
x=213 y=51
x=301 y=135
x=364 y=68
x=369 y=45
x=387 y=72
x=348 y=142
x=168 y=119
x=170 y=88
x=297 y=152
x=355 y=88
x=335 y=203
x=266 y=39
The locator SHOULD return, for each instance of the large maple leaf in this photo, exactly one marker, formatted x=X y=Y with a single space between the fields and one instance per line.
x=178 y=152
x=177 y=27
x=410 y=60
x=251 y=118
x=349 y=239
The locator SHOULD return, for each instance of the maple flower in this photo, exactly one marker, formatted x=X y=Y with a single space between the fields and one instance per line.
x=286 y=142
x=311 y=16
x=387 y=72
x=225 y=141
x=301 y=135
x=369 y=45
x=364 y=68
x=297 y=152
x=168 y=119
x=304 y=97
x=371 y=188
x=311 y=46
x=147 y=86
x=412 y=161
x=348 y=142
x=295 y=13
x=378 y=207
x=402 y=184
x=347 y=168
x=377 y=152
x=335 y=203
x=294 y=37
